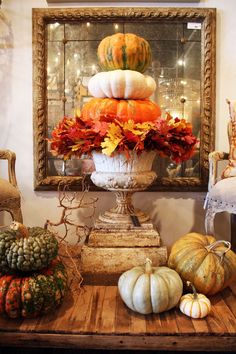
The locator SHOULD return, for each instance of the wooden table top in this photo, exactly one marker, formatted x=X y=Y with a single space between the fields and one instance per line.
x=97 y=318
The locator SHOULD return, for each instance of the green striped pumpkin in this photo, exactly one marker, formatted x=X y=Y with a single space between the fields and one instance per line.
x=124 y=51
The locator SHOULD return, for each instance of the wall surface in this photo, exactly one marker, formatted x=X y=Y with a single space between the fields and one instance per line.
x=173 y=213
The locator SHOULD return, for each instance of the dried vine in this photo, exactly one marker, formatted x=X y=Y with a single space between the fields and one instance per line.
x=70 y=254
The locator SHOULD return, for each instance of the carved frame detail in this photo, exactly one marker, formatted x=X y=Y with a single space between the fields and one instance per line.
x=41 y=17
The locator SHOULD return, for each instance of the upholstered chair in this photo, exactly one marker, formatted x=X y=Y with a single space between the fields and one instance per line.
x=221 y=194
x=10 y=198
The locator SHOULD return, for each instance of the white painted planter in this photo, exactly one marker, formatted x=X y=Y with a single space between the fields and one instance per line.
x=124 y=177
x=120 y=164
x=117 y=172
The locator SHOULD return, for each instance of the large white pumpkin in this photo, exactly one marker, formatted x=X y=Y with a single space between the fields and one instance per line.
x=127 y=84
x=146 y=289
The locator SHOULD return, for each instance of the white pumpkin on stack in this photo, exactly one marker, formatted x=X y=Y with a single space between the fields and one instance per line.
x=126 y=84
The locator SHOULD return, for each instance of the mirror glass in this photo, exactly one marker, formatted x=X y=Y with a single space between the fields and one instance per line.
x=181 y=65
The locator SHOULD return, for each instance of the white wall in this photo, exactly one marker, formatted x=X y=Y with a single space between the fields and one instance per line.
x=173 y=213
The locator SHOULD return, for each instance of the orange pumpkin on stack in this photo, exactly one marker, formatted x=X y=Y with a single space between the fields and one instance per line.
x=117 y=95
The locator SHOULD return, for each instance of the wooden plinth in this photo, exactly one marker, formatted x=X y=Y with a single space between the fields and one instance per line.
x=96 y=318
x=113 y=249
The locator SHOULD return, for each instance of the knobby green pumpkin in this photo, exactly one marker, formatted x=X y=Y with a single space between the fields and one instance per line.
x=26 y=249
x=33 y=294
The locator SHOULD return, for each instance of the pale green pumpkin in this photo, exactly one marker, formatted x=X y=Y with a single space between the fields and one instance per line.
x=146 y=289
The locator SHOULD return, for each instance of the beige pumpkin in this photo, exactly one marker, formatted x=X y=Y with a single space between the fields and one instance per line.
x=146 y=289
x=210 y=265
x=127 y=84
x=195 y=305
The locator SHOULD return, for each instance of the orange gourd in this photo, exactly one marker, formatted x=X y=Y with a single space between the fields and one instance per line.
x=109 y=109
x=124 y=51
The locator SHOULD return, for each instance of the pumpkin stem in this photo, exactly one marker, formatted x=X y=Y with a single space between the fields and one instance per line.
x=148 y=266
x=195 y=296
x=212 y=246
x=22 y=231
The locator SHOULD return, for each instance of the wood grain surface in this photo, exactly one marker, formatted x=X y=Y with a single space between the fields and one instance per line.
x=96 y=318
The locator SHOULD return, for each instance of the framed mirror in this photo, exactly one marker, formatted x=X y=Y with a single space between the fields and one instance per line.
x=65 y=44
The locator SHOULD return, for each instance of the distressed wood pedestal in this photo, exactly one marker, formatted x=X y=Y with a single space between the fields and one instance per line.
x=112 y=249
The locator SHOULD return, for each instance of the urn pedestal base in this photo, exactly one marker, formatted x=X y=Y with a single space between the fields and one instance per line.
x=113 y=249
x=115 y=244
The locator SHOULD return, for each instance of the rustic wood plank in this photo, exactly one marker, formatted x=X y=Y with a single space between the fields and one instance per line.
x=79 y=319
x=107 y=321
x=224 y=313
x=93 y=318
x=153 y=323
x=230 y=300
x=214 y=319
x=184 y=323
x=123 y=316
x=169 y=323
x=164 y=322
x=200 y=325
x=138 y=323
x=160 y=342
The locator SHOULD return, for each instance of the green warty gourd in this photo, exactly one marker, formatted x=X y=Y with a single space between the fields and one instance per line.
x=32 y=251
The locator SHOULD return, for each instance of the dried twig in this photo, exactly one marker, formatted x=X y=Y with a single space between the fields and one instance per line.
x=69 y=202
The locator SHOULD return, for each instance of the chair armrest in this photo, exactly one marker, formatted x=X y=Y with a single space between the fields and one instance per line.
x=214 y=157
x=11 y=157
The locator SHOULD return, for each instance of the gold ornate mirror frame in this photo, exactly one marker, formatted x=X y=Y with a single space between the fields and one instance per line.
x=195 y=23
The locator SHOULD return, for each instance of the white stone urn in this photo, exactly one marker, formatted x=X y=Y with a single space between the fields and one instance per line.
x=124 y=177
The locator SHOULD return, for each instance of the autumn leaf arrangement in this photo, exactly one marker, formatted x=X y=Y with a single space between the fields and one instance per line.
x=121 y=117
x=169 y=137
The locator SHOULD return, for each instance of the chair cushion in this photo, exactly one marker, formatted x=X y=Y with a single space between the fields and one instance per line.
x=224 y=192
x=8 y=193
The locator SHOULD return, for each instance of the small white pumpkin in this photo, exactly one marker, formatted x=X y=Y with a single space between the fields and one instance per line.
x=146 y=289
x=127 y=84
x=195 y=305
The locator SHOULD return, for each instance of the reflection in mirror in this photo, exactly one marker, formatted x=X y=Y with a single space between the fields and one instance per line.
x=181 y=67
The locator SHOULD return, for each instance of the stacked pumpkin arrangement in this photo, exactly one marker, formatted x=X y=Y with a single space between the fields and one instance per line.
x=209 y=266
x=33 y=280
x=121 y=92
x=121 y=118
